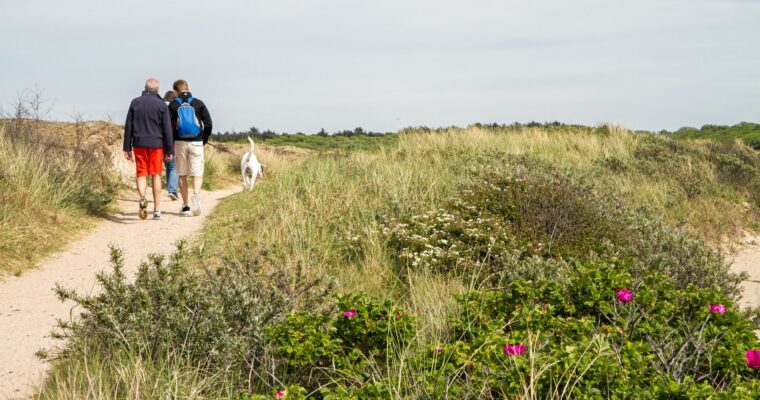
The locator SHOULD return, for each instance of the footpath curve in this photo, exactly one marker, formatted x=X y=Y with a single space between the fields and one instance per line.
x=29 y=307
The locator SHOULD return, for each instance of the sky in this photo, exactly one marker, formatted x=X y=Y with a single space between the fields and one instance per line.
x=305 y=65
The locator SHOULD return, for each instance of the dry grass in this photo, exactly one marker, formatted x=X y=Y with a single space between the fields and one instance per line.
x=46 y=196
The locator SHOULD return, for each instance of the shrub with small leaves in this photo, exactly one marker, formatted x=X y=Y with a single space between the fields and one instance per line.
x=213 y=318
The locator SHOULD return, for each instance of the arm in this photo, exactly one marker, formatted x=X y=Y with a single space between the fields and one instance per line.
x=128 y=134
x=207 y=127
x=167 y=130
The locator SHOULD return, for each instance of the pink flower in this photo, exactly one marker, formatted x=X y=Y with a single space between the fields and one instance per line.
x=438 y=349
x=624 y=295
x=280 y=394
x=514 y=349
x=753 y=358
x=350 y=314
x=717 y=308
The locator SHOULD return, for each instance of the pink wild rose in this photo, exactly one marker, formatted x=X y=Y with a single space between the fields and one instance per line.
x=717 y=308
x=753 y=358
x=514 y=349
x=280 y=394
x=624 y=295
x=438 y=349
x=350 y=314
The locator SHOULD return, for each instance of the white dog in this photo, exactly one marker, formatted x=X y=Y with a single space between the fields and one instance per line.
x=250 y=168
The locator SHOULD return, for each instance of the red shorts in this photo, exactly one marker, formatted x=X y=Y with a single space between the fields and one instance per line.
x=149 y=161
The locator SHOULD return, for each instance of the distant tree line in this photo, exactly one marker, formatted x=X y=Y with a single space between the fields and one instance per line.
x=746 y=131
x=256 y=134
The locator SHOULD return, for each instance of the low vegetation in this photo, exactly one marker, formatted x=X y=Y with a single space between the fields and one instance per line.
x=488 y=262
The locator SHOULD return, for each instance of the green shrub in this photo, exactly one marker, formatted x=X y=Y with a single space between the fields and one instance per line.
x=531 y=222
x=340 y=345
x=580 y=341
x=214 y=319
x=583 y=342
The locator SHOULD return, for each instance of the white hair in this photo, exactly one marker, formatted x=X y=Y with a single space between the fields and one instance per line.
x=151 y=85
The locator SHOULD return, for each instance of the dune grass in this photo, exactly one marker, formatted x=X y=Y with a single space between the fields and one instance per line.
x=304 y=212
x=320 y=214
x=129 y=376
x=46 y=196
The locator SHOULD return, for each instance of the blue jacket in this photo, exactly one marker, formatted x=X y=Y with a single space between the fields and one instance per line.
x=148 y=124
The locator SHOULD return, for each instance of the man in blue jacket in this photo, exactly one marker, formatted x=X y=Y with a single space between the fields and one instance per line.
x=148 y=142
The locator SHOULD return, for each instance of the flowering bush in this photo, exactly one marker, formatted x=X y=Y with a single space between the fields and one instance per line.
x=533 y=222
x=666 y=340
x=313 y=345
x=603 y=333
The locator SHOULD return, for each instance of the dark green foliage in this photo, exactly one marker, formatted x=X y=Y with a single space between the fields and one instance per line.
x=343 y=344
x=665 y=339
x=582 y=342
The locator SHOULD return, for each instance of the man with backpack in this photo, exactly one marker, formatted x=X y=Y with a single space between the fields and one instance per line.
x=148 y=141
x=192 y=130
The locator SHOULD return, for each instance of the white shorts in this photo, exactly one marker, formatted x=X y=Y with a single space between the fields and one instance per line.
x=188 y=158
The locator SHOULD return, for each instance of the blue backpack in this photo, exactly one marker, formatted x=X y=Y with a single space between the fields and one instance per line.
x=188 y=126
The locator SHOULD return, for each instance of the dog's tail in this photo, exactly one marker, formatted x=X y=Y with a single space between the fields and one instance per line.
x=251 y=140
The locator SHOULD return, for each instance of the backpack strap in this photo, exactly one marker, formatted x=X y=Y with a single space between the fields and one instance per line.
x=189 y=100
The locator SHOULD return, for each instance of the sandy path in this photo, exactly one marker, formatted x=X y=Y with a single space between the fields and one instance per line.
x=746 y=258
x=29 y=308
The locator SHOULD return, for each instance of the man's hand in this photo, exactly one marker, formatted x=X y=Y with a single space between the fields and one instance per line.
x=168 y=158
x=128 y=155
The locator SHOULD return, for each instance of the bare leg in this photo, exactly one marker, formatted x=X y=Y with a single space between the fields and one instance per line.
x=156 y=192
x=183 y=188
x=142 y=185
x=197 y=184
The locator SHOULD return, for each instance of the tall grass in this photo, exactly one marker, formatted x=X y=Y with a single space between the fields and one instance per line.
x=46 y=194
x=311 y=214
x=129 y=376
x=320 y=215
